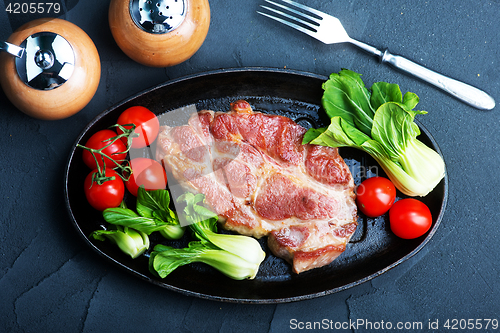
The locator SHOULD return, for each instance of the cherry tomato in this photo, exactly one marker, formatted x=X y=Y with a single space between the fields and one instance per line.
x=108 y=195
x=146 y=172
x=146 y=122
x=101 y=139
x=375 y=196
x=153 y=177
x=410 y=218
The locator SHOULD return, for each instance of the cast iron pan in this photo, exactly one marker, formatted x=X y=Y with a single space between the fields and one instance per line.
x=373 y=248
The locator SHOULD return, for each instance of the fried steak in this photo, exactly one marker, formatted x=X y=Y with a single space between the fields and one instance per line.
x=261 y=181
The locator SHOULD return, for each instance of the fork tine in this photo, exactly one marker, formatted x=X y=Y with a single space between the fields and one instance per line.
x=312 y=26
x=306 y=8
x=310 y=18
x=292 y=25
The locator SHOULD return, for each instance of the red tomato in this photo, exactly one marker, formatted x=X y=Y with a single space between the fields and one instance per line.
x=146 y=122
x=375 y=196
x=153 y=177
x=137 y=164
x=146 y=172
x=101 y=139
x=108 y=195
x=410 y=218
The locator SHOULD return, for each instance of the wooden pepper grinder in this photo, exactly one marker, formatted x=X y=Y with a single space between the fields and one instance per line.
x=51 y=68
x=159 y=33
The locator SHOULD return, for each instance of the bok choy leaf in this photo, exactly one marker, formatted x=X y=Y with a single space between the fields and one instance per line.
x=153 y=214
x=238 y=257
x=379 y=121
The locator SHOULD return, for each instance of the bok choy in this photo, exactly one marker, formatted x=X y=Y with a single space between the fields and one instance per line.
x=238 y=257
x=153 y=214
x=130 y=241
x=379 y=121
x=130 y=230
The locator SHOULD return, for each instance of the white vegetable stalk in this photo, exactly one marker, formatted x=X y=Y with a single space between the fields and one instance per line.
x=165 y=259
x=424 y=165
x=130 y=241
x=230 y=264
x=236 y=256
x=402 y=180
x=172 y=231
x=247 y=248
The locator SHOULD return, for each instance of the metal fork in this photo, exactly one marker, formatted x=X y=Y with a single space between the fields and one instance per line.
x=329 y=30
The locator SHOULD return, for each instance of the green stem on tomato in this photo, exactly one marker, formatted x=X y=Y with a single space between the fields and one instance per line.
x=126 y=170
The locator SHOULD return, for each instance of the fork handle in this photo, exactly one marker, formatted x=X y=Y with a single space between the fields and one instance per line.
x=467 y=93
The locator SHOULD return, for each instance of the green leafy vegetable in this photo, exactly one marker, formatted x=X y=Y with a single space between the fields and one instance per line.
x=165 y=259
x=130 y=241
x=128 y=218
x=236 y=256
x=153 y=214
x=154 y=202
x=346 y=96
x=381 y=123
x=205 y=229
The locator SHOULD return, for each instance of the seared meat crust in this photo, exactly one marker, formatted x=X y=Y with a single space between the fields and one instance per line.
x=261 y=181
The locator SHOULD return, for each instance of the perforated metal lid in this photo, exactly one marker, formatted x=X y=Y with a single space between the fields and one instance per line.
x=158 y=16
x=47 y=62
